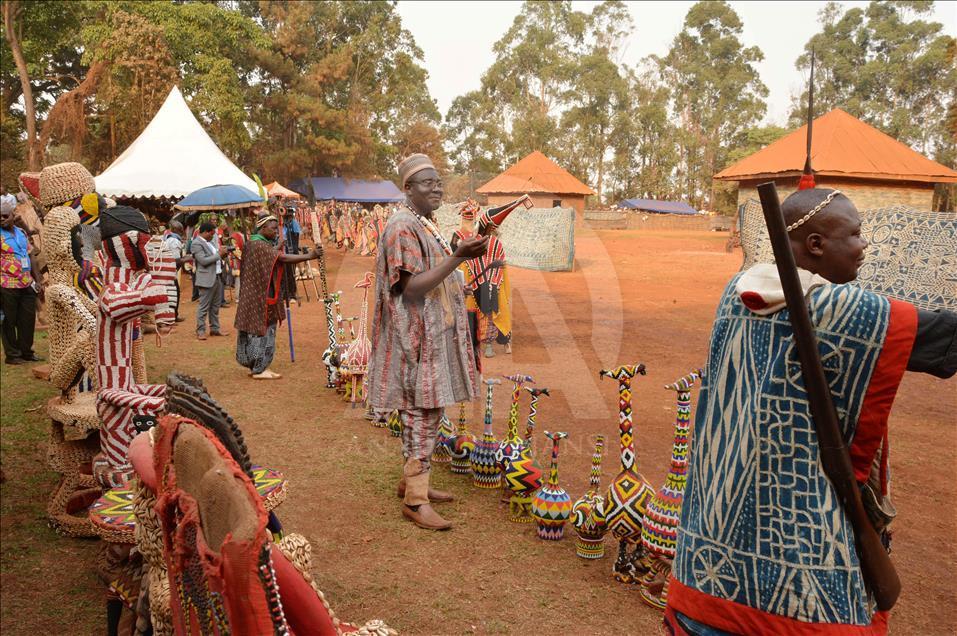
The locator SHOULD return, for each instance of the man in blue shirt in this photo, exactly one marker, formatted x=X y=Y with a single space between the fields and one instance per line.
x=19 y=288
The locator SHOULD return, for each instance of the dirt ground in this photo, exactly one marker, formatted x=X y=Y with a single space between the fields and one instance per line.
x=634 y=296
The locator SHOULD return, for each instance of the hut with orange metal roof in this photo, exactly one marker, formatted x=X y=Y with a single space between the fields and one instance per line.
x=549 y=185
x=873 y=169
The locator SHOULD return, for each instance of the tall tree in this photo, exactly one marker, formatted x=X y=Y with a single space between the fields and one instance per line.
x=12 y=13
x=887 y=66
x=716 y=92
x=340 y=81
x=597 y=92
x=535 y=62
x=39 y=60
x=645 y=150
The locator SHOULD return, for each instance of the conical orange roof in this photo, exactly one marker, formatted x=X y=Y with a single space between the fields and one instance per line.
x=535 y=173
x=842 y=146
x=276 y=189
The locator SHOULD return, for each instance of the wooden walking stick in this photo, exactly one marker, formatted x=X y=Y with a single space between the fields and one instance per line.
x=878 y=571
x=285 y=294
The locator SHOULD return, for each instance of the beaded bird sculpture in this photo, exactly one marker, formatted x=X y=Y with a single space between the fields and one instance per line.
x=511 y=445
x=461 y=445
x=441 y=454
x=659 y=532
x=524 y=475
x=486 y=472
x=552 y=506
x=394 y=424
x=337 y=354
x=591 y=534
x=356 y=362
x=629 y=492
x=326 y=299
x=331 y=357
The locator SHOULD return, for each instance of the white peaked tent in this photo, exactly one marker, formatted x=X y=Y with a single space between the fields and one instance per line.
x=172 y=157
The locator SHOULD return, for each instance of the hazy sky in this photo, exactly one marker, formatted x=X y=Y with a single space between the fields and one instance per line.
x=457 y=39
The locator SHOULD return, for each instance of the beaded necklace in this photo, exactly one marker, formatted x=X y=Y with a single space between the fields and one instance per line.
x=431 y=229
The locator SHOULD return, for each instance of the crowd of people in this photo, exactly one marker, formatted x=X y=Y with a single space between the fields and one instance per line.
x=351 y=227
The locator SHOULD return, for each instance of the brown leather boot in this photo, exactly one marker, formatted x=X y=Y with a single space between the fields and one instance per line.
x=435 y=496
x=416 y=506
x=425 y=517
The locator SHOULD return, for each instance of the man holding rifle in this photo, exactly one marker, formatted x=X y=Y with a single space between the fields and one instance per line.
x=768 y=542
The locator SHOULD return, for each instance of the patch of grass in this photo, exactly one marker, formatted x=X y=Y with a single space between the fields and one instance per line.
x=47 y=583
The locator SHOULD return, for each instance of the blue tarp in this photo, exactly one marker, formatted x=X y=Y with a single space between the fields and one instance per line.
x=352 y=190
x=661 y=207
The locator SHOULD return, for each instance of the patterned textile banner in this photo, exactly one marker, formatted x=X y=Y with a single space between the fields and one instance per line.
x=912 y=254
x=540 y=238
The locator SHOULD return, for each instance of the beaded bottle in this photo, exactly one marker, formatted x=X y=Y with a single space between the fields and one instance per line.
x=486 y=472
x=552 y=506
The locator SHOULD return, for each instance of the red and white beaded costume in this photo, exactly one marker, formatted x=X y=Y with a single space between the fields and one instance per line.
x=129 y=292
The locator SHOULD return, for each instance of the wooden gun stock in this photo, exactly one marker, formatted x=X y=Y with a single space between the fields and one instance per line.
x=878 y=571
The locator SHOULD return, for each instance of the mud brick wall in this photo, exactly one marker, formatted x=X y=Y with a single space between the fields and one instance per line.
x=866 y=194
x=542 y=200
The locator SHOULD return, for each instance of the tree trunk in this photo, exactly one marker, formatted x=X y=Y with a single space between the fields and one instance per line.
x=601 y=174
x=11 y=12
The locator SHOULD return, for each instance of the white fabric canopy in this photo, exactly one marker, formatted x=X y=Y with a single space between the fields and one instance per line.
x=172 y=157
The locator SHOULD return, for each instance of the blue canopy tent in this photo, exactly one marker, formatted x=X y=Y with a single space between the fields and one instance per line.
x=351 y=190
x=220 y=197
x=657 y=207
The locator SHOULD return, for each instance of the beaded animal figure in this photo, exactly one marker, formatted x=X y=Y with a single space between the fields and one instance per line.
x=628 y=493
x=441 y=454
x=659 y=532
x=326 y=300
x=379 y=418
x=524 y=475
x=394 y=424
x=332 y=357
x=355 y=364
x=461 y=445
x=486 y=472
x=552 y=506
x=511 y=445
x=591 y=535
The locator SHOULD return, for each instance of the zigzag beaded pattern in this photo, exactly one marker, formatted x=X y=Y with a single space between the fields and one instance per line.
x=460 y=446
x=486 y=472
x=440 y=454
x=394 y=424
x=552 y=506
x=510 y=448
x=591 y=530
x=659 y=533
x=524 y=475
x=629 y=493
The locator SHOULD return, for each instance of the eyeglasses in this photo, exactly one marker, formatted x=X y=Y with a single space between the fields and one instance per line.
x=430 y=184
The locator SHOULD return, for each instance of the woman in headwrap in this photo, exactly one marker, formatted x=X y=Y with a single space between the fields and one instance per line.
x=259 y=309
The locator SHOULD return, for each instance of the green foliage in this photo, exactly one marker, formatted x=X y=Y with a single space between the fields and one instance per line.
x=888 y=67
x=284 y=88
x=644 y=147
x=554 y=87
x=289 y=88
x=716 y=92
